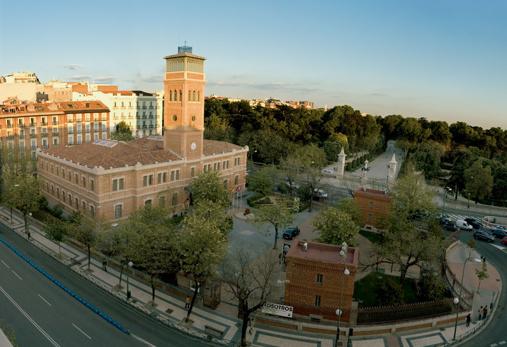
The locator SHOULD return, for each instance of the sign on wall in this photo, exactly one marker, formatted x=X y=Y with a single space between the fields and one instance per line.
x=277 y=309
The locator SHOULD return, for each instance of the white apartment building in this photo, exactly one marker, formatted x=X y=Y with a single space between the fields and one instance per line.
x=140 y=110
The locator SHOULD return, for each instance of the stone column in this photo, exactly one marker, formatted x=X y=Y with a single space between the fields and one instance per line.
x=340 y=170
x=391 y=171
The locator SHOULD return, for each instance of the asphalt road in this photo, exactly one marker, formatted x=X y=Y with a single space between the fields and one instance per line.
x=496 y=331
x=42 y=314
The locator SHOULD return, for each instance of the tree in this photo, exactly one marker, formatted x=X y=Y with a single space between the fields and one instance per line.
x=113 y=243
x=250 y=282
x=24 y=195
x=481 y=274
x=122 y=132
x=208 y=187
x=263 y=181
x=152 y=243
x=350 y=207
x=411 y=238
x=308 y=162
x=218 y=128
x=56 y=230
x=85 y=232
x=336 y=227
x=202 y=247
x=478 y=181
x=428 y=157
x=278 y=214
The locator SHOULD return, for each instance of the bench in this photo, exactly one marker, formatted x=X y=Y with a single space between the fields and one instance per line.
x=213 y=332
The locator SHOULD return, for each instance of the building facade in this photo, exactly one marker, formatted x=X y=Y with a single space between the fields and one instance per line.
x=110 y=180
x=316 y=281
x=375 y=206
x=26 y=127
x=139 y=110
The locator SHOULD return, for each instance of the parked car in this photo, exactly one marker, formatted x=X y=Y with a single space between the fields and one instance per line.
x=504 y=241
x=497 y=232
x=483 y=235
x=319 y=193
x=290 y=233
x=292 y=184
x=329 y=171
x=463 y=225
x=449 y=225
x=474 y=223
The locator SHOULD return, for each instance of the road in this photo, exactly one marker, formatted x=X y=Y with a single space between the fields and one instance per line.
x=495 y=332
x=42 y=314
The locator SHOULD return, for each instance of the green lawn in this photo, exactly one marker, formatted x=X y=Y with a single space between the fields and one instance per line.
x=378 y=289
x=370 y=235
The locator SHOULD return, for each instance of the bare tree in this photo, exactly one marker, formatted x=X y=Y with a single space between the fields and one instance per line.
x=250 y=282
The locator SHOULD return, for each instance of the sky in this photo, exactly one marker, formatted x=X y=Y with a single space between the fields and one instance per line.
x=440 y=59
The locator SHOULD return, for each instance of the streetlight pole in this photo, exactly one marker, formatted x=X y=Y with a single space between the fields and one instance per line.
x=456 y=302
x=130 y=264
x=339 y=314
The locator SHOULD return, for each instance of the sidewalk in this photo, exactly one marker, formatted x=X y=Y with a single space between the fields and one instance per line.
x=4 y=341
x=170 y=310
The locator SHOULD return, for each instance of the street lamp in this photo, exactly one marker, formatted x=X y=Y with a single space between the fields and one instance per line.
x=16 y=185
x=338 y=314
x=130 y=264
x=456 y=302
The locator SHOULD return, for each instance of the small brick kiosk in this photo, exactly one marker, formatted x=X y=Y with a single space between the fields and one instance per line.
x=375 y=206
x=317 y=284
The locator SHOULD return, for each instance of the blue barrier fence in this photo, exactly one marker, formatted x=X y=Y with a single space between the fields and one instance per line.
x=90 y=306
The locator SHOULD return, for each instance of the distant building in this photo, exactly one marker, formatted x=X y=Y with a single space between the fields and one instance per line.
x=301 y=104
x=316 y=280
x=141 y=111
x=109 y=180
x=26 y=127
x=21 y=85
x=374 y=205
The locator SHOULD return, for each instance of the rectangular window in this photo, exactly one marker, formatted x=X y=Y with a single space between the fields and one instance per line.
x=218 y=166
x=236 y=180
x=76 y=178
x=147 y=180
x=92 y=185
x=159 y=178
x=177 y=175
x=214 y=166
x=118 y=211
x=192 y=172
x=320 y=278
x=83 y=180
x=317 y=300
x=164 y=177
x=173 y=174
x=118 y=184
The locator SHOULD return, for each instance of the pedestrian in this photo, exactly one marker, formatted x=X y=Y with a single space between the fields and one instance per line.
x=250 y=325
x=104 y=265
x=491 y=306
x=485 y=312
x=280 y=258
x=187 y=302
x=468 y=320
x=480 y=312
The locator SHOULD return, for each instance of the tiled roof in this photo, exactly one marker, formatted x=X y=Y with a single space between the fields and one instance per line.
x=322 y=252
x=144 y=151
x=55 y=107
x=218 y=147
x=373 y=194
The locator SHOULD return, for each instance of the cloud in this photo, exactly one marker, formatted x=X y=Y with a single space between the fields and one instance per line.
x=79 y=78
x=73 y=66
x=104 y=79
x=267 y=86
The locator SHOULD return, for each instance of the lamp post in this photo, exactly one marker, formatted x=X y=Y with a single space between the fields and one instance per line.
x=456 y=302
x=130 y=264
x=16 y=185
x=338 y=314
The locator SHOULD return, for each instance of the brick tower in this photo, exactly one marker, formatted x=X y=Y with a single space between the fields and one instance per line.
x=184 y=103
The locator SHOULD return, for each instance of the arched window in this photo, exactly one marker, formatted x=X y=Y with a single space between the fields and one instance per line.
x=198 y=96
x=193 y=96
x=170 y=95
x=181 y=95
x=189 y=95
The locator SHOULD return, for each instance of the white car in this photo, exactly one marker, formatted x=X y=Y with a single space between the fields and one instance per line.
x=319 y=193
x=328 y=171
x=463 y=225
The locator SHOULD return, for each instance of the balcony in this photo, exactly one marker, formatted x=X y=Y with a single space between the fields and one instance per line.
x=32 y=135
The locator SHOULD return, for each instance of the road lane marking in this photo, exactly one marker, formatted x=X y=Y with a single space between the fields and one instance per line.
x=142 y=340
x=47 y=302
x=499 y=247
x=81 y=331
x=7 y=266
x=16 y=274
x=29 y=318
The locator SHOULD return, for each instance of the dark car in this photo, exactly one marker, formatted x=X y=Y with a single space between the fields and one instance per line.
x=484 y=236
x=290 y=233
x=473 y=222
x=497 y=232
x=448 y=224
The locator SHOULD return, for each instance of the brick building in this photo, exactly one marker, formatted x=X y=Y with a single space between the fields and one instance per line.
x=109 y=180
x=317 y=283
x=26 y=127
x=374 y=205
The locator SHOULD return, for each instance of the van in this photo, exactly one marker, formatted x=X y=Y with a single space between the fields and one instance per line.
x=463 y=225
